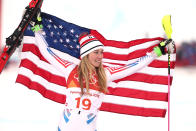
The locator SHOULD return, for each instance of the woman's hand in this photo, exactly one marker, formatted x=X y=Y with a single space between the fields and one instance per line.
x=164 y=47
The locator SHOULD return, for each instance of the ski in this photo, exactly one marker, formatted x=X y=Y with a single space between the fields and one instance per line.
x=14 y=40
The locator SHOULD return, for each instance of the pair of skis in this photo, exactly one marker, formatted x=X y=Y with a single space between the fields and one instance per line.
x=14 y=40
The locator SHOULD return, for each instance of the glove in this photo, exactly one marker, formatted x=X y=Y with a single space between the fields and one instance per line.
x=164 y=47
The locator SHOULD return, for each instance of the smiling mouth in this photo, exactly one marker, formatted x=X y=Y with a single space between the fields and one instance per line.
x=98 y=61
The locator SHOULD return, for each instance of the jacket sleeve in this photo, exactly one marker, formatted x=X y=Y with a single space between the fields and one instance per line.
x=114 y=73
x=61 y=65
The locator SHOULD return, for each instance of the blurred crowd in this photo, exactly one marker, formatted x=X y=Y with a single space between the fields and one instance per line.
x=186 y=54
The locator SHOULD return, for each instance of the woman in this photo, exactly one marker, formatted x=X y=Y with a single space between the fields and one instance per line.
x=87 y=82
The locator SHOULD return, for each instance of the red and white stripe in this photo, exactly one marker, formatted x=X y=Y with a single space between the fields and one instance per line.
x=38 y=74
x=85 y=39
x=89 y=43
x=143 y=93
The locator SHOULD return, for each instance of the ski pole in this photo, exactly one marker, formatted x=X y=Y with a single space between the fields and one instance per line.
x=166 y=23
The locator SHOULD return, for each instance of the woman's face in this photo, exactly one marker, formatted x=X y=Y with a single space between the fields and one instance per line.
x=95 y=57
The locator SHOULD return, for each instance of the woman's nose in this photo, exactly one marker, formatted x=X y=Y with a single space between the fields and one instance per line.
x=100 y=55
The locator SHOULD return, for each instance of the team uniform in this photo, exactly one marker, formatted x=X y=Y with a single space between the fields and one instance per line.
x=80 y=112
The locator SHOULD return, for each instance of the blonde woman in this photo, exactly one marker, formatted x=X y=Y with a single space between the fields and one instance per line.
x=87 y=82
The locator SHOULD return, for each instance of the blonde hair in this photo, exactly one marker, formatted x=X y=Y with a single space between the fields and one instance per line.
x=85 y=70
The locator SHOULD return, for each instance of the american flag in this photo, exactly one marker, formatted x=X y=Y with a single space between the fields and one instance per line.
x=144 y=93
